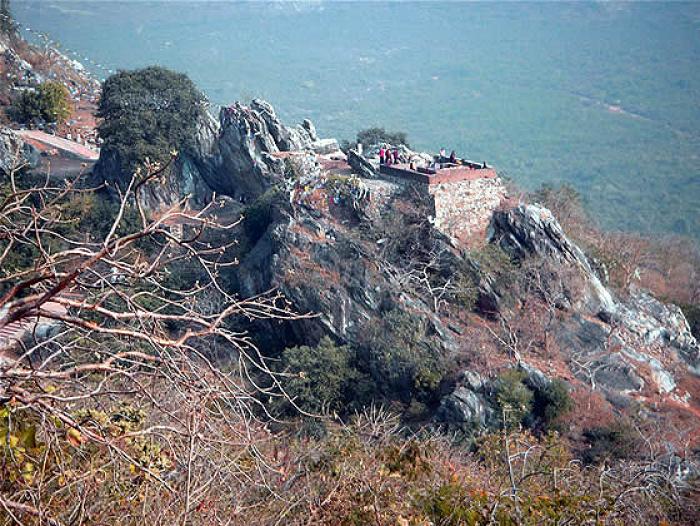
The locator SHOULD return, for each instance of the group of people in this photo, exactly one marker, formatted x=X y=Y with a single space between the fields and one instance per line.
x=452 y=159
x=388 y=156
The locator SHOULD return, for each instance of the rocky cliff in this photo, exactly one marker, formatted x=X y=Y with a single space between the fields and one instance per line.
x=238 y=154
x=356 y=249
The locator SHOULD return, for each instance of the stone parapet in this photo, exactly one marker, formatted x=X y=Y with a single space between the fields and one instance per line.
x=451 y=174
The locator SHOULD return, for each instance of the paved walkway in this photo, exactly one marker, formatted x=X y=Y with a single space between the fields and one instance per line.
x=64 y=145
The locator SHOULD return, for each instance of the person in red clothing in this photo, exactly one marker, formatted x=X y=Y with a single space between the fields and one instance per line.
x=396 y=156
x=382 y=154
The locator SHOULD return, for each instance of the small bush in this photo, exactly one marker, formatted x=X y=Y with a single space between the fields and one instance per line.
x=513 y=397
x=258 y=215
x=552 y=403
x=466 y=286
x=49 y=102
x=400 y=358
x=613 y=442
x=492 y=260
x=452 y=504
x=319 y=379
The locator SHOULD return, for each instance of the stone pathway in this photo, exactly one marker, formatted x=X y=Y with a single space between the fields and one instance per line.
x=64 y=145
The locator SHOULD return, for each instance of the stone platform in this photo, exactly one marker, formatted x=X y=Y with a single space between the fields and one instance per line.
x=447 y=174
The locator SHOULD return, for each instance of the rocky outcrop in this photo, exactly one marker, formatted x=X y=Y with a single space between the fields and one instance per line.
x=286 y=139
x=14 y=152
x=532 y=230
x=361 y=166
x=468 y=406
x=618 y=345
x=326 y=268
x=240 y=155
x=657 y=323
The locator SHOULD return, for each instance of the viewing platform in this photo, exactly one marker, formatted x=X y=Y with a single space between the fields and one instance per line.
x=447 y=173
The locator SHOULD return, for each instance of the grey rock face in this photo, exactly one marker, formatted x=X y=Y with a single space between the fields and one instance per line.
x=14 y=152
x=287 y=139
x=659 y=323
x=236 y=155
x=606 y=351
x=361 y=166
x=310 y=129
x=463 y=406
x=532 y=230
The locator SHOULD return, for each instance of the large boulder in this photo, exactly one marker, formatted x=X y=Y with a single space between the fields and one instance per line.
x=532 y=230
x=468 y=406
x=361 y=166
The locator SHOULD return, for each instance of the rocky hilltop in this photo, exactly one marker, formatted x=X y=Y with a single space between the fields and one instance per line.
x=354 y=247
x=481 y=354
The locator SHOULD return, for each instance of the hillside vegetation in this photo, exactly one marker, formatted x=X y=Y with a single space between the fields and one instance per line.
x=212 y=328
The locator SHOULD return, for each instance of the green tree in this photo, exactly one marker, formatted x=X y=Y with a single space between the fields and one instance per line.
x=320 y=378
x=8 y=26
x=147 y=113
x=50 y=102
x=373 y=136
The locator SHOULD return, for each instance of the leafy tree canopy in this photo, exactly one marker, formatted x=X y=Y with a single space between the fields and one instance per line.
x=8 y=26
x=319 y=378
x=147 y=113
x=372 y=136
x=49 y=102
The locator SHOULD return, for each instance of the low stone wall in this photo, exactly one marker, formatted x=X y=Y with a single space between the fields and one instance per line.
x=462 y=201
x=443 y=175
x=463 y=209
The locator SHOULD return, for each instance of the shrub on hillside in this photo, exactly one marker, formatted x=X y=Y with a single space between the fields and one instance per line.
x=49 y=102
x=614 y=442
x=513 y=397
x=320 y=379
x=494 y=262
x=8 y=26
x=258 y=215
x=551 y=403
x=147 y=113
x=692 y=314
x=399 y=355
